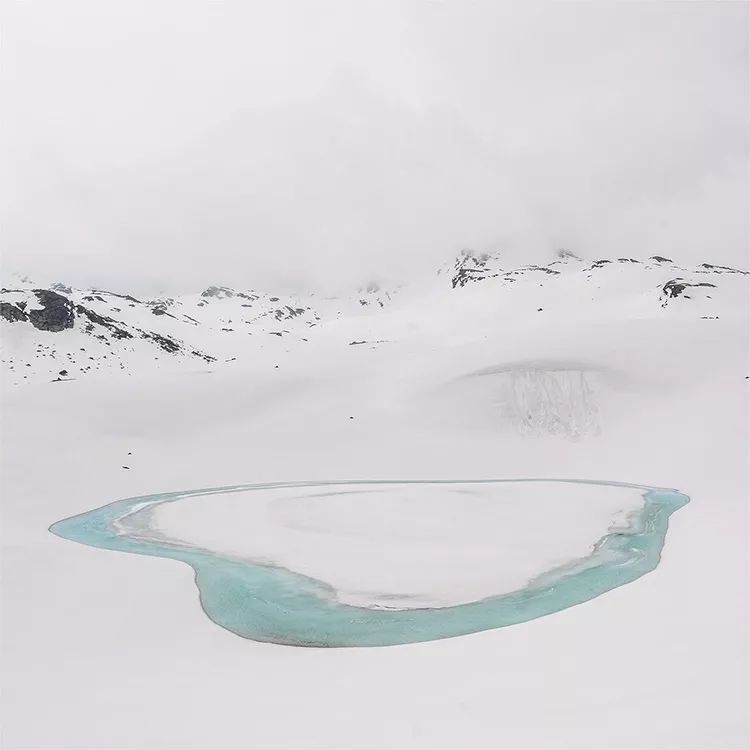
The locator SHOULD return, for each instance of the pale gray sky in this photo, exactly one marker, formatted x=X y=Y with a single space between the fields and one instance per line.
x=174 y=144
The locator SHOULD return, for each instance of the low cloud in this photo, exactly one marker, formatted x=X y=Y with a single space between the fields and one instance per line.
x=170 y=146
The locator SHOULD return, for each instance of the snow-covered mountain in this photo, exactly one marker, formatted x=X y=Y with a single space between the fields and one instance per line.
x=65 y=332
x=58 y=331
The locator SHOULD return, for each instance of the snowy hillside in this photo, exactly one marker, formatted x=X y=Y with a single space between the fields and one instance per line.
x=62 y=332
x=98 y=330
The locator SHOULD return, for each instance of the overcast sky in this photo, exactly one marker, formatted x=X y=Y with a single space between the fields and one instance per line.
x=168 y=145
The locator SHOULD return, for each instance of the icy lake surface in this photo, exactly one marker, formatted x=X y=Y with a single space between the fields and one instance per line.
x=376 y=563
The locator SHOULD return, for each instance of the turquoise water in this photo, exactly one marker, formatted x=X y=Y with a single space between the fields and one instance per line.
x=265 y=603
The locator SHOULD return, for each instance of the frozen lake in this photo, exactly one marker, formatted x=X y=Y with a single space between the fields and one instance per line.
x=377 y=563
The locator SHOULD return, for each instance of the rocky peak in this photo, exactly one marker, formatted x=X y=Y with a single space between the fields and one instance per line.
x=220 y=292
x=470 y=266
x=564 y=254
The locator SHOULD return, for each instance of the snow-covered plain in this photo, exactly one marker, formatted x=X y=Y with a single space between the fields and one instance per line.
x=610 y=380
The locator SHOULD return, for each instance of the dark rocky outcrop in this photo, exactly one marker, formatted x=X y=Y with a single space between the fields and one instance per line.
x=109 y=323
x=56 y=312
x=116 y=294
x=165 y=342
x=676 y=288
x=721 y=269
x=543 y=269
x=220 y=292
x=470 y=267
x=225 y=292
x=12 y=313
x=162 y=311
x=287 y=312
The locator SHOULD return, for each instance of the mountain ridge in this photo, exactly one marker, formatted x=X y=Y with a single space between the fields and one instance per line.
x=96 y=329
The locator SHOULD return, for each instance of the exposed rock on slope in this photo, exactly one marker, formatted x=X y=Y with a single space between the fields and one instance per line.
x=12 y=313
x=676 y=288
x=470 y=267
x=87 y=338
x=50 y=312
x=96 y=329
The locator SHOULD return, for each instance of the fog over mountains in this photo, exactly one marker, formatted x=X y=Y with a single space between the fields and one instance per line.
x=294 y=145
